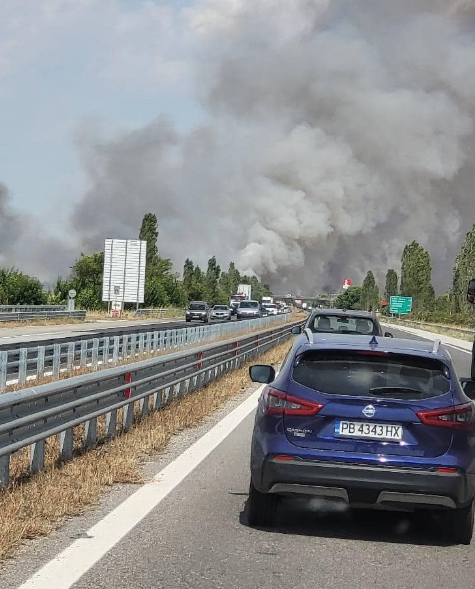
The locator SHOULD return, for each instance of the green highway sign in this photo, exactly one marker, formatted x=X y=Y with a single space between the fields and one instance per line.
x=400 y=305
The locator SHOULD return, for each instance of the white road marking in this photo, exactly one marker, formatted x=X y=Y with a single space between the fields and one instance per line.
x=69 y=566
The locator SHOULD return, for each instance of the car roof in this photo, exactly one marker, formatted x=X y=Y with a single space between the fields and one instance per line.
x=350 y=312
x=328 y=341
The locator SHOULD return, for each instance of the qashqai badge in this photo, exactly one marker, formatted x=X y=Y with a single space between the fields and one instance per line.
x=369 y=411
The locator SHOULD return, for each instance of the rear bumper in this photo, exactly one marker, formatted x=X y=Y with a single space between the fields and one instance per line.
x=378 y=487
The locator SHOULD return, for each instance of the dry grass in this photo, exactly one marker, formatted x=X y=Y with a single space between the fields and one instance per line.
x=35 y=506
x=39 y=322
x=439 y=329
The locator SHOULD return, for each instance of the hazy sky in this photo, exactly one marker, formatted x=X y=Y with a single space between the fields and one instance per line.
x=307 y=140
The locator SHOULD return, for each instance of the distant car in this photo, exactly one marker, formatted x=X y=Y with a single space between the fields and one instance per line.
x=342 y=321
x=272 y=309
x=221 y=312
x=197 y=311
x=248 y=310
x=368 y=422
x=263 y=311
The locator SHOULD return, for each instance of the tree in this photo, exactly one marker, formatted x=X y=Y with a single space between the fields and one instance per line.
x=211 y=281
x=188 y=269
x=391 y=285
x=464 y=270
x=87 y=276
x=149 y=233
x=17 y=288
x=349 y=299
x=369 y=293
x=416 y=273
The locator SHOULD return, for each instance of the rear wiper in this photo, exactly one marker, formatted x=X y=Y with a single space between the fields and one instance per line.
x=392 y=390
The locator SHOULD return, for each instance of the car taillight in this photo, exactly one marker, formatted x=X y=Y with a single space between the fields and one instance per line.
x=279 y=403
x=458 y=417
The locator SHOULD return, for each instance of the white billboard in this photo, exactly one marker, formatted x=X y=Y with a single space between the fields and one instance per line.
x=124 y=270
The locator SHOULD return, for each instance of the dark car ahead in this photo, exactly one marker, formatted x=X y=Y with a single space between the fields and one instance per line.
x=367 y=421
x=344 y=321
x=197 y=311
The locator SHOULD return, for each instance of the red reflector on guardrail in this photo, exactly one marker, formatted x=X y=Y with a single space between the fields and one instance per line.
x=128 y=379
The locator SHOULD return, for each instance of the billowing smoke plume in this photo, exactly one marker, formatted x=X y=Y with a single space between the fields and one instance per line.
x=338 y=131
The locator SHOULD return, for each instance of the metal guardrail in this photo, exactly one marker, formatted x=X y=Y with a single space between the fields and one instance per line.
x=423 y=324
x=31 y=416
x=31 y=308
x=20 y=366
x=157 y=312
x=28 y=316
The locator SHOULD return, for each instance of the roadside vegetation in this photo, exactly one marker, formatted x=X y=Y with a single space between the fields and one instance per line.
x=415 y=280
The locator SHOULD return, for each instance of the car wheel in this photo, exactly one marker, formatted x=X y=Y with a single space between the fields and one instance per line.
x=261 y=508
x=459 y=524
x=188 y=320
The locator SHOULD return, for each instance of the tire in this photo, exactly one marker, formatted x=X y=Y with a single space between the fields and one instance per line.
x=188 y=320
x=261 y=508
x=459 y=524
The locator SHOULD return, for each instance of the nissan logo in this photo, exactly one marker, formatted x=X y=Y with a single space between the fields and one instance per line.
x=369 y=411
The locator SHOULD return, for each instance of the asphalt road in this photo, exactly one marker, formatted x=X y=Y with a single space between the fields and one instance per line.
x=198 y=537
x=40 y=335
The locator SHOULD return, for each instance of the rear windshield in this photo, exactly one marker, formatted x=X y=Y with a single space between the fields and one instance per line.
x=343 y=324
x=363 y=374
x=249 y=305
x=220 y=308
x=197 y=307
x=268 y=306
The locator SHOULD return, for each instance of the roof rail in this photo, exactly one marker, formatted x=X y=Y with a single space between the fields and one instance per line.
x=309 y=334
x=436 y=346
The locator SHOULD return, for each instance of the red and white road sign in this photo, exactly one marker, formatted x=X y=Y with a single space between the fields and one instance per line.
x=347 y=282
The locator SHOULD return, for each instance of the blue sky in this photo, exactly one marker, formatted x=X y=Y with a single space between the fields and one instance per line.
x=117 y=64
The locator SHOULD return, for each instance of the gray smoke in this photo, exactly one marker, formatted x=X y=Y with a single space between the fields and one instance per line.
x=24 y=244
x=338 y=131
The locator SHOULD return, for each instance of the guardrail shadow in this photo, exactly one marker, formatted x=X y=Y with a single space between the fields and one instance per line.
x=320 y=519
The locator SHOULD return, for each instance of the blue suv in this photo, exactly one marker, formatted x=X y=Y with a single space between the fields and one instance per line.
x=368 y=421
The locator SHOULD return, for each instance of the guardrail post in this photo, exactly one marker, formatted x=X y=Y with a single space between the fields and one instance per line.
x=111 y=424
x=144 y=406
x=128 y=416
x=4 y=471
x=83 y=360
x=141 y=343
x=90 y=432
x=22 y=366
x=95 y=353
x=105 y=352
x=148 y=342
x=56 y=361
x=133 y=345
x=40 y=362
x=157 y=400
x=37 y=456
x=156 y=341
x=66 y=440
x=125 y=347
x=115 y=350
x=3 y=370
x=162 y=341
x=71 y=351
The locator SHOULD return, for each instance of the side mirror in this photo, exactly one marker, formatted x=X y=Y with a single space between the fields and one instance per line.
x=262 y=373
x=388 y=334
x=471 y=292
x=468 y=386
x=296 y=330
